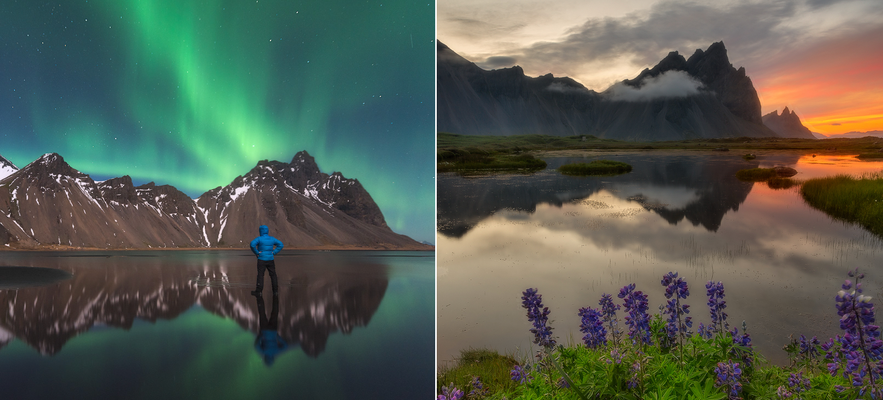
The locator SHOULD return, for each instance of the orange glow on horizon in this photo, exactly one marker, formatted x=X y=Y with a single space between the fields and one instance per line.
x=834 y=88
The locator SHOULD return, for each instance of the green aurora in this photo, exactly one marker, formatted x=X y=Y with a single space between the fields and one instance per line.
x=193 y=93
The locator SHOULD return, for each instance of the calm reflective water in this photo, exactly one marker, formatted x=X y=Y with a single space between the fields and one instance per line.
x=575 y=238
x=182 y=324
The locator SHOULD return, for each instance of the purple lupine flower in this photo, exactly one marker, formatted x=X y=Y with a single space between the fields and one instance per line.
x=798 y=383
x=450 y=392
x=783 y=393
x=635 y=302
x=676 y=325
x=562 y=383
x=742 y=340
x=860 y=350
x=832 y=354
x=539 y=315
x=728 y=375
x=745 y=342
x=593 y=326
x=520 y=375
x=809 y=348
x=477 y=388
x=704 y=331
x=615 y=357
x=608 y=309
x=716 y=305
x=635 y=379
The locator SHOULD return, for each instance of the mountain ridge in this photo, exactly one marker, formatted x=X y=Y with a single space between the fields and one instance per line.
x=502 y=102
x=49 y=204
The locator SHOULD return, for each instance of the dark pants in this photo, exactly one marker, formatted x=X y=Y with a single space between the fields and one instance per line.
x=270 y=266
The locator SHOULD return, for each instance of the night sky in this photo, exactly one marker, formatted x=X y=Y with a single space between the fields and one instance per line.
x=193 y=93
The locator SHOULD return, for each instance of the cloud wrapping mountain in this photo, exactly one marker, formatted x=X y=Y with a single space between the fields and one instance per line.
x=669 y=84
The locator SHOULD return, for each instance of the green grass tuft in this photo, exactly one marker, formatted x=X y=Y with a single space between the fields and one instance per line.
x=597 y=167
x=849 y=199
x=490 y=367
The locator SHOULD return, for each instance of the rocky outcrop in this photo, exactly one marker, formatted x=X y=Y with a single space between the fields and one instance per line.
x=787 y=125
x=473 y=101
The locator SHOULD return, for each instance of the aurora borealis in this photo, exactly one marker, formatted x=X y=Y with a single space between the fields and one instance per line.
x=193 y=93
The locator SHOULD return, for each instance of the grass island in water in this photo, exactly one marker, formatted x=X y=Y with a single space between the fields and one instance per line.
x=596 y=167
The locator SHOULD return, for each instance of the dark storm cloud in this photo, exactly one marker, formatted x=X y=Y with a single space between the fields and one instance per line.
x=498 y=62
x=747 y=29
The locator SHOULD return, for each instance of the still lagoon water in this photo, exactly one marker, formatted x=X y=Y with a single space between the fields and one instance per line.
x=183 y=325
x=576 y=238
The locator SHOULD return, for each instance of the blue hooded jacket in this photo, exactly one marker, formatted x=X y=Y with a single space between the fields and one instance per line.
x=265 y=246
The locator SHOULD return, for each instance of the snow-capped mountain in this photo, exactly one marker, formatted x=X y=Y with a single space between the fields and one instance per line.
x=49 y=204
x=6 y=168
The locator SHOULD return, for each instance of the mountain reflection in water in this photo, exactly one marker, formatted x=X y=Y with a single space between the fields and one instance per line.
x=676 y=186
x=314 y=302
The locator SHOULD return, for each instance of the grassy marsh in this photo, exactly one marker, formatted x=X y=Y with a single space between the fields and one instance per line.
x=523 y=143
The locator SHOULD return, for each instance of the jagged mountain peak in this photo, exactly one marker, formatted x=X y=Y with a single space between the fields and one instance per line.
x=787 y=124
x=6 y=168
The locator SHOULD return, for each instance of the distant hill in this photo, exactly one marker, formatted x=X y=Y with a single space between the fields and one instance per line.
x=787 y=125
x=853 y=134
x=49 y=204
x=700 y=97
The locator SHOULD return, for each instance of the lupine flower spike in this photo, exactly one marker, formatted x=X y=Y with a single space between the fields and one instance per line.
x=608 y=309
x=676 y=324
x=593 y=326
x=520 y=374
x=860 y=346
x=728 y=377
x=539 y=315
x=635 y=303
x=716 y=305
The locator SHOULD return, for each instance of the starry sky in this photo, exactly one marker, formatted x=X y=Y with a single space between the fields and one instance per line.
x=193 y=93
x=820 y=58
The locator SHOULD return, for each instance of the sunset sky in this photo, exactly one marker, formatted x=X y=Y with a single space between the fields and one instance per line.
x=192 y=93
x=821 y=58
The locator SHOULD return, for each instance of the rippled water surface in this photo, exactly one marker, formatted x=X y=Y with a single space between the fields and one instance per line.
x=183 y=325
x=576 y=238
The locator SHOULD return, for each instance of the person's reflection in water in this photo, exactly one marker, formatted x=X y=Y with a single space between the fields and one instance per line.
x=268 y=343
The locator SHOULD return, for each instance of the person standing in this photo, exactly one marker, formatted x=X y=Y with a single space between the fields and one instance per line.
x=265 y=247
